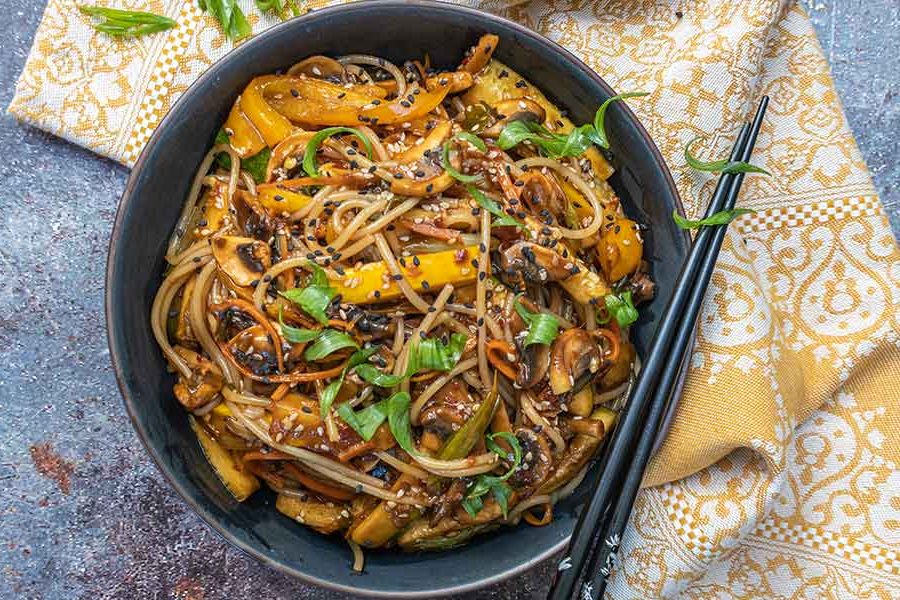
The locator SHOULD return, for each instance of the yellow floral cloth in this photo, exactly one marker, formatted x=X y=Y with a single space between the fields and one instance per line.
x=779 y=478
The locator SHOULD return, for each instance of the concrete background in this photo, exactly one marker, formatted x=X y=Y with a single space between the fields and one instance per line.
x=84 y=513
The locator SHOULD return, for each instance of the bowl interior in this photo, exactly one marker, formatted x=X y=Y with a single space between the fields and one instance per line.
x=150 y=207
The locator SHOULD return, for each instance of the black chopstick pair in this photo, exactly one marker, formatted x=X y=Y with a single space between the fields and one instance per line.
x=595 y=541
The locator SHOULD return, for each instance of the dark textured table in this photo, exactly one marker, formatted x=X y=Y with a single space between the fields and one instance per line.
x=84 y=513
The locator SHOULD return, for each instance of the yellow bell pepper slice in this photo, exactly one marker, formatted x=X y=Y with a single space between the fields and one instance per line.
x=372 y=282
x=272 y=125
x=620 y=248
x=242 y=135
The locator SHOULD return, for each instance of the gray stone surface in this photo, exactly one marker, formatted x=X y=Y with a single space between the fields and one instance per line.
x=83 y=512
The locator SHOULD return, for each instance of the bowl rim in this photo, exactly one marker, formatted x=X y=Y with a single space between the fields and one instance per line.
x=116 y=238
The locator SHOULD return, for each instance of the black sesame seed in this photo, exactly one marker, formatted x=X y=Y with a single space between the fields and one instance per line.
x=377 y=294
x=475 y=262
x=416 y=261
x=432 y=309
x=341 y=95
x=295 y=93
x=482 y=247
x=481 y=276
x=425 y=285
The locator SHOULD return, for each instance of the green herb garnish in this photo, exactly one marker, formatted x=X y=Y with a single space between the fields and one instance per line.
x=255 y=165
x=600 y=117
x=326 y=398
x=125 y=23
x=491 y=205
x=431 y=354
x=719 y=166
x=723 y=217
x=498 y=487
x=397 y=408
x=365 y=422
x=328 y=342
x=466 y=137
x=295 y=335
x=542 y=327
x=372 y=374
x=621 y=308
x=312 y=146
x=315 y=297
x=279 y=8
x=230 y=17
x=559 y=145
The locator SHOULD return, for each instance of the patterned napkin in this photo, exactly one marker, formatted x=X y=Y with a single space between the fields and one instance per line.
x=779 y=477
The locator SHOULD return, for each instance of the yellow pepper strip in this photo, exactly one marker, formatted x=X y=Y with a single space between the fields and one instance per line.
x=242 y=135
x=432 y=141
x=277 y=199
x=271 y=124
x=458 y=81
x=400 y=110
x=317 y=102
x=620 y=248
x=372 y=282
x=481 y=53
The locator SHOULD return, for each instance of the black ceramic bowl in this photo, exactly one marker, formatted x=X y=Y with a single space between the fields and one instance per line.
x=150 y=206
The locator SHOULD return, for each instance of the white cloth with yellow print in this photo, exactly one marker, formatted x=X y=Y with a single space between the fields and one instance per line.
x=780 y=477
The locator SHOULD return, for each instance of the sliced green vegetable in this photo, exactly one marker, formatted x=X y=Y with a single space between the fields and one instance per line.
x=621 y=308
x=492 y=483
x=312 y=146
x=464 y=439
x=230 y=17
x=123 y=23
x=315 y=297
x=463 y=136
x=365 y=422
x=600 y=117
x=397 y=408
x=723 y=217
x=296 y=335
x=255 y=165
x=431 y=354
x=719 y=166
x=279 y=8
x=372 y=374
x=326 y=399
x=328 y=342
x=491 y=205
x=559 y=145
x=542 y=327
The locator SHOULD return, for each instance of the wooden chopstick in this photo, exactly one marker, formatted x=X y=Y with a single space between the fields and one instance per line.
x=631 y=442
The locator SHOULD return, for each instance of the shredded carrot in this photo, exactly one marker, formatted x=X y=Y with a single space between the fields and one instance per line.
x=320 y=487
x=497 y=351
x=280 y=392
x=545 y=520
x=426 y=376
x=356 y=450
x=273 y=455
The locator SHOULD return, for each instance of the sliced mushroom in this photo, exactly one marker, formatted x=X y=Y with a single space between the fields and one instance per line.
x=533 y=364
x=574 y=360
x=254 y=349
x=540 y=192
x=205 y=381
x=535 y=263
x=537 y=460
x=243 y=259
x=448 y=409
x=517 y=109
